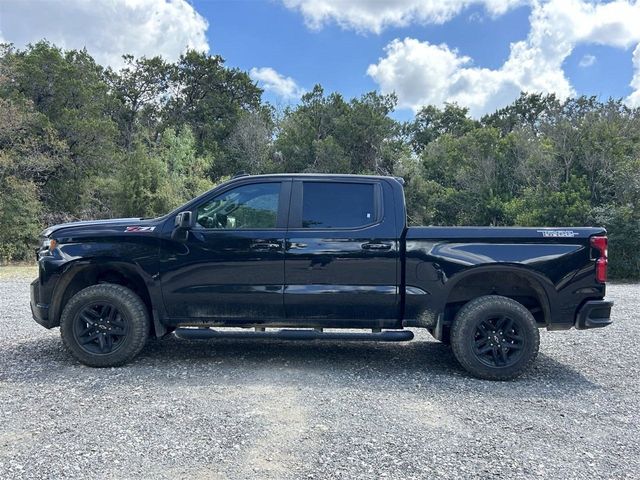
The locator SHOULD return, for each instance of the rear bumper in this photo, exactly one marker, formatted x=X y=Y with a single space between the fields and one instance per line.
x=594 y=314
x=39 y=311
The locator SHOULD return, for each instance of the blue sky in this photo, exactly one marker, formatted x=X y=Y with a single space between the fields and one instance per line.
x=478 y=53
x=255 y=33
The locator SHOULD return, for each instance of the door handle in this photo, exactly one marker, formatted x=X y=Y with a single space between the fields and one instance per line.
x=376 y=246
x=265 y=246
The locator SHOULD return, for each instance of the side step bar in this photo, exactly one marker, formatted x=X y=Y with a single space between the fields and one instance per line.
x=386 y=336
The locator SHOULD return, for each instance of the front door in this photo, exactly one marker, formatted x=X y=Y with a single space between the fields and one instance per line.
x=230 y=270
x=342 y=257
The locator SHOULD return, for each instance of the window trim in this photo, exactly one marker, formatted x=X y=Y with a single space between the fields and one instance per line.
x=281 y=215
x=297 y=198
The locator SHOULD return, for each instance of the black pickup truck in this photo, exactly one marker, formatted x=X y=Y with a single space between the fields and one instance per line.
x=287 y=256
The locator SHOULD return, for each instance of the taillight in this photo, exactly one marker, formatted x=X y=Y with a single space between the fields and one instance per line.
x=600 y=244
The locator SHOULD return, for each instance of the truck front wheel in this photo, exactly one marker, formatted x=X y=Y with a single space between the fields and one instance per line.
x=104 y=325
x=495 y=338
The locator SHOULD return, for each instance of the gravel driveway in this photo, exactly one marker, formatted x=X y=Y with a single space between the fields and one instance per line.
x=242 y=409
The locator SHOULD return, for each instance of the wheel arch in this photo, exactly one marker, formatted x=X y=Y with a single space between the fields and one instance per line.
x=518 y=283
x=82 y=274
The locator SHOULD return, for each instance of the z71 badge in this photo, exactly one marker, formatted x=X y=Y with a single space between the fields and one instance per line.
x=558 y=233
x=139 y=229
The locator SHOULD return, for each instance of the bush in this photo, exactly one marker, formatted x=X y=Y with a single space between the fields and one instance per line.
x=623 y=227
x=20 y=213
x=543 y=207
x=143 y=188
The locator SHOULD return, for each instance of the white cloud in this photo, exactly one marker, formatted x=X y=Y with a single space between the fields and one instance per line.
x=107 y=28
x=376 y=15
x=587 y=61
x=421 y=73
x=272 y=81
x=634 y=98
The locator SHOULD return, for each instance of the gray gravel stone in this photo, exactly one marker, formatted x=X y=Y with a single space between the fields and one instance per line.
x=271 y=409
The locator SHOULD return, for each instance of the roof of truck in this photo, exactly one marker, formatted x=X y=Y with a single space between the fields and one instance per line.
x=317 y=175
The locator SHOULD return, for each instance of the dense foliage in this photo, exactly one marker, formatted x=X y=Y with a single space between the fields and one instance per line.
x=80 y=141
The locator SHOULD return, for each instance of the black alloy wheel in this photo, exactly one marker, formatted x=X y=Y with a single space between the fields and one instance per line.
x=105 y=325
x=498 y=341
x=495 y=337
x=100 y=328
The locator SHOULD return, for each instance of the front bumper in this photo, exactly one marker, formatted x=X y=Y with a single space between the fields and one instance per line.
x=39 y=311
x=594 y=314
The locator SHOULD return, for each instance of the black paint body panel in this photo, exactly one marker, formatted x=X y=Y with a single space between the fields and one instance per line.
x=438 y=258
x=380 y=275
x=332 y=278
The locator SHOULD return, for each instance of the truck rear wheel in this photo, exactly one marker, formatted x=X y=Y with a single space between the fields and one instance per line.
x=105 y=325
x=495 y=338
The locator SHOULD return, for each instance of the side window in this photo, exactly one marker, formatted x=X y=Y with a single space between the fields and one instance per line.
x=337 y=205
x=253 y=206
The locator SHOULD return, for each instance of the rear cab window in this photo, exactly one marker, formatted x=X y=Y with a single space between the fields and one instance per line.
x=327 y=205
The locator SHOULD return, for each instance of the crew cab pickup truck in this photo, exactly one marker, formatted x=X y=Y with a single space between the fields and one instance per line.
x=287 y=256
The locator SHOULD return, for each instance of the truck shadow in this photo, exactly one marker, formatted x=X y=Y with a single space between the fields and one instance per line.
x=399 y=365
x=416 y=365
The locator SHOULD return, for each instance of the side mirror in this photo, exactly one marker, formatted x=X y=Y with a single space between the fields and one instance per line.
x=181 y=226
x=183 y=220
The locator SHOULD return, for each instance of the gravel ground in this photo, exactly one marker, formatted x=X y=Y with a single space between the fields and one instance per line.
x=256 y=409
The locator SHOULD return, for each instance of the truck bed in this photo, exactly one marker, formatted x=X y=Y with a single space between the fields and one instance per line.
x=447 y=265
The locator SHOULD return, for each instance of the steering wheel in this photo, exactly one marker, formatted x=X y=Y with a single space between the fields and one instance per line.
x=218 y=220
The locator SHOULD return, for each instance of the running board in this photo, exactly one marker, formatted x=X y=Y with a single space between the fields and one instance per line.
x=386 y=336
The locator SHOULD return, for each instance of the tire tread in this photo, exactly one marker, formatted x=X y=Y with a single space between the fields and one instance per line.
x=139 y=324
x=467 y=314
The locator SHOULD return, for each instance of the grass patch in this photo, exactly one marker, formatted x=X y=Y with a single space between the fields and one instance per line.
x=18 y=270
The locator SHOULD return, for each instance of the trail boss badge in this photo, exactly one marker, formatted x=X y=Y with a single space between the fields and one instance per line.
x=558 y=233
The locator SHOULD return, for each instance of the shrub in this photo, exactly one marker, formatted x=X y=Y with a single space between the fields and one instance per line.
x=623 y=227
x=20 y=212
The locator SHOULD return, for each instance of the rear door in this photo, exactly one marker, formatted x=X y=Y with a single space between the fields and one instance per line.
x=341 y=254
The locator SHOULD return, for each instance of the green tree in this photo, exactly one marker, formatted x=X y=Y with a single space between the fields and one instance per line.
x=210 y=98
x=248 y=147
x=68 y=87
x=542 y=207
x=326 y=133
x=623 y=226
x=30 y=155
x=140 y=89
x=431 y=122
x=142 y=187
x=186 y=171
x=29 y=146
x=364 y=132
x=20 y=213
x=528 y=111
x=80 y=141
x=304 y=128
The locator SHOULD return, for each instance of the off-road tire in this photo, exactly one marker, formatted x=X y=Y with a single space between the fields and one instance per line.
x=132 y=311
x=464 y=332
